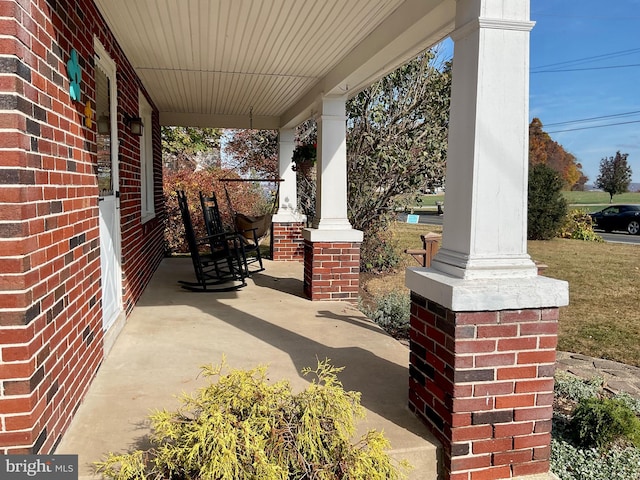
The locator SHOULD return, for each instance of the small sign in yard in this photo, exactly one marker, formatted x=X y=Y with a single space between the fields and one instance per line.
x=413 y=218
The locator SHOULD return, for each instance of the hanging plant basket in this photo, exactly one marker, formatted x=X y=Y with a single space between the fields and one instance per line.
x=304 y=157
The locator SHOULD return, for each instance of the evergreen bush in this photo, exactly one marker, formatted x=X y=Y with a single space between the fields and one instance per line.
x=547 y=207
x=599 y=422
x=242 y=427
x=575 y=452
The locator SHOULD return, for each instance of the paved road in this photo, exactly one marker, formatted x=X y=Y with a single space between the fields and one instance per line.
x=614 y=237
x=619 y=237
x=426 y=218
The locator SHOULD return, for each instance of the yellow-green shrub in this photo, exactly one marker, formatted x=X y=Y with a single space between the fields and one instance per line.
x=242 y=427
x=579 y=226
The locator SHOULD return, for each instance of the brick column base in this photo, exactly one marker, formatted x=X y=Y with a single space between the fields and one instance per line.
x=332 y=270
x=483 y=384
x=287 y=242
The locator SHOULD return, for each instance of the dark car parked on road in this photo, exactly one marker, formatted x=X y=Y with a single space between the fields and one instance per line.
x=618 y=217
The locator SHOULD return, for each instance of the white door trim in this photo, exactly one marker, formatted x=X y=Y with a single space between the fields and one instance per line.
x=105 y=63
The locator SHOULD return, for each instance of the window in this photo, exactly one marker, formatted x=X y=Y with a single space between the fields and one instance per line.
x=147 y=191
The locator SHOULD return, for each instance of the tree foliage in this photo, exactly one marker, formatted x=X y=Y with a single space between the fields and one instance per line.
x=181 y=147
x=397 y=145
x=543 y=149
x=246 y=198
x=253 y=152
x=397 y=138
x=547 y=207
x=615 y=175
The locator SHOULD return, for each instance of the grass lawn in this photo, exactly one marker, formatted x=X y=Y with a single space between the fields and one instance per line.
x=592 y=201
x=603 y=317
x=600 y=198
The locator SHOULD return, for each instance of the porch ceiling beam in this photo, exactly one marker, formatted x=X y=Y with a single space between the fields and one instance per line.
x=413 y=27
x=218 y=121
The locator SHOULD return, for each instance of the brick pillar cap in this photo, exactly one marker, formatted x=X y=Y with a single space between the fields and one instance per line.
x=487 y=295
x=321 y=235
x=287 y=216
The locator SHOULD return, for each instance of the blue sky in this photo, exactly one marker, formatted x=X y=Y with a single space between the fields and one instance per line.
x=603 y=35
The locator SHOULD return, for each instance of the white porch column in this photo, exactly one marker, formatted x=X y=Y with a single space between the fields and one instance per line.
x=487 y=161
x=331 y=187
x=288 y=222
x=485 y=227
x=483 y=323
x=288 y=201
x=332 y=246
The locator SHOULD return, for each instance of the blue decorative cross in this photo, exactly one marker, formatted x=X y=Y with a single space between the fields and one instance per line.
x=75 y=76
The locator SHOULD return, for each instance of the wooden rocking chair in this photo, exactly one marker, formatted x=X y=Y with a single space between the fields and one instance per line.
x=222 y=268
x=248 y=236
x=253 y=227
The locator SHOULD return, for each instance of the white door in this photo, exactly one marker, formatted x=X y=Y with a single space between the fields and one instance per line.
x=108 y=195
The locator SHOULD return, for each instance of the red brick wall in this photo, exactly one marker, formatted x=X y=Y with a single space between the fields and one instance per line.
x=331 y=270
x=483 y=383
x=50 y=312
x=288 y=244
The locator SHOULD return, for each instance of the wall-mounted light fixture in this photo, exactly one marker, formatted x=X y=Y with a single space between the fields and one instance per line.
x=104 y=124
x=134 y=124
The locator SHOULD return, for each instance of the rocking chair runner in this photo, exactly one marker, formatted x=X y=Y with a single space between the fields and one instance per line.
x=223 y=267
x=248 y=236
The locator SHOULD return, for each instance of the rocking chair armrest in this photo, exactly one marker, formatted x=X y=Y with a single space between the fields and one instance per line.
x=216 y=236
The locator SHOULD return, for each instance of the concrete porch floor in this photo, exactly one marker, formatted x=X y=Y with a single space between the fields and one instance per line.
x=172 y=332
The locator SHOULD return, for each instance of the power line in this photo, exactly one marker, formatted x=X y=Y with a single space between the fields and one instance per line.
x=591 y=58
x=587 y=68
x=582 y=120
x=594 y=126
x=592 y=17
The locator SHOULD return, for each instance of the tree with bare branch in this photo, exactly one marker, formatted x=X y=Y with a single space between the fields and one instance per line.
x=396 y=146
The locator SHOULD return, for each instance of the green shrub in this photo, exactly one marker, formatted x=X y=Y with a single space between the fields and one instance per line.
x=579 y=226
x=379 y=251
x=391 y=312
x=599 y=422
x=547 y=207
x=242 y=427
x=588 y=460
x=575 y=388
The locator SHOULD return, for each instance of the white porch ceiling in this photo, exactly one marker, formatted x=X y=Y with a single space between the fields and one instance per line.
x=212 y=62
